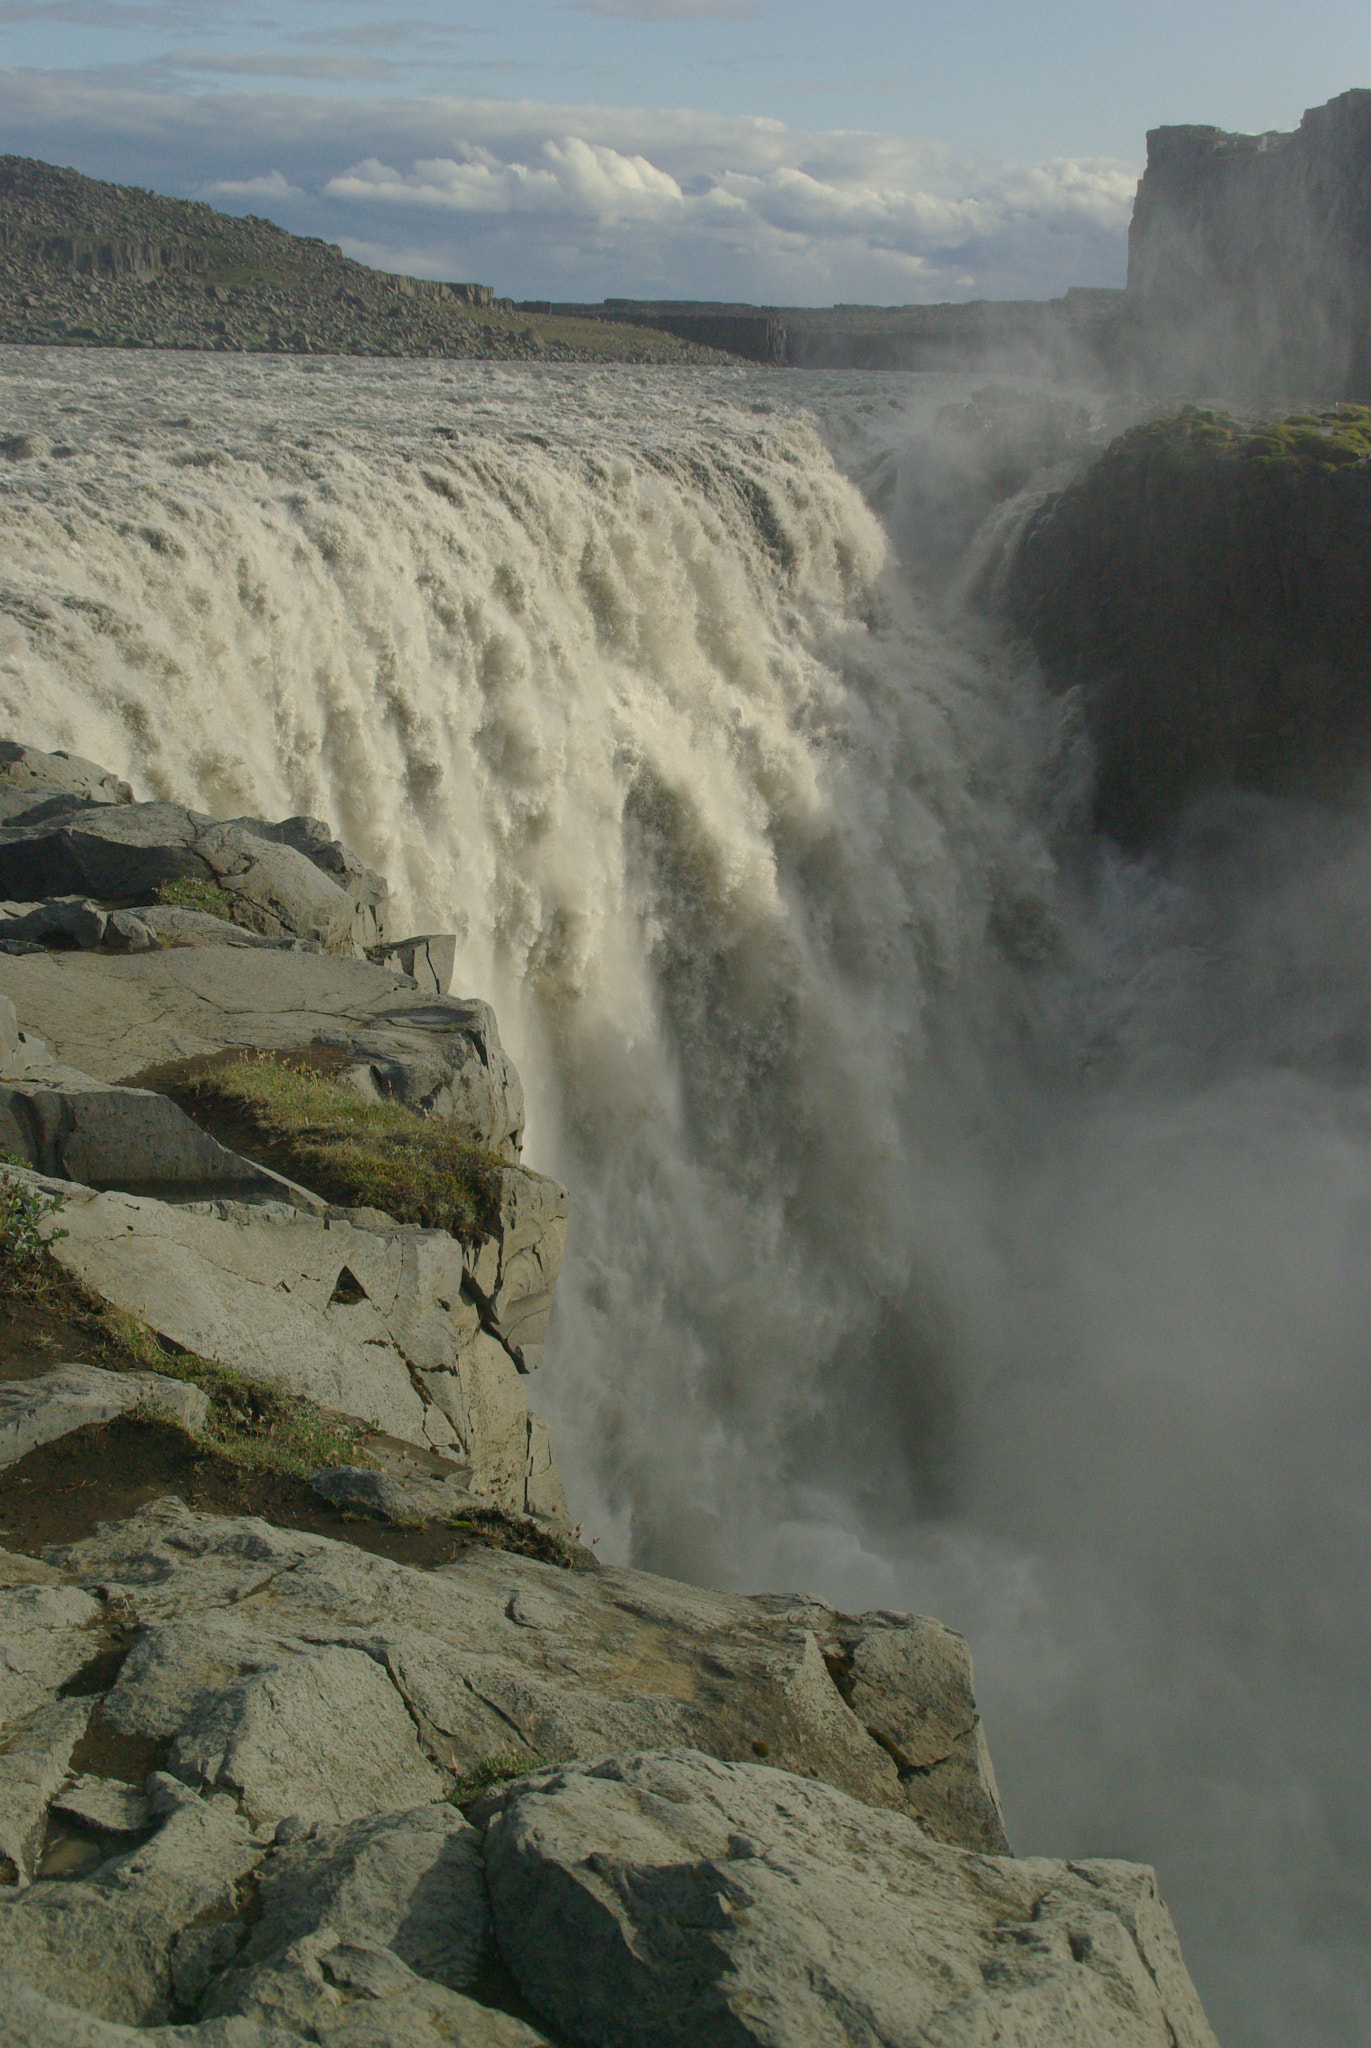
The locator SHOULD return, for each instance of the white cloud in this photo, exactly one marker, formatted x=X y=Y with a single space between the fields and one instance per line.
x=566 y=201
x=270 y=186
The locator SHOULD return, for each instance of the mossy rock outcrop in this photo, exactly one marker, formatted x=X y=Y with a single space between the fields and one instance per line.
x=1207 y=588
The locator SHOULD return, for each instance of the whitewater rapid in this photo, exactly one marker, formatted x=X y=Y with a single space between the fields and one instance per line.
x=964 y=1220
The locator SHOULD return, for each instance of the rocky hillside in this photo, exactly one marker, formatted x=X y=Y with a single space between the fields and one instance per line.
x=318 y=1722
x=84 y=262
x=1206 y=586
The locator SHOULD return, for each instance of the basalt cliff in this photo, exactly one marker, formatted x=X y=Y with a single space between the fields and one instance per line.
x=318 y=1721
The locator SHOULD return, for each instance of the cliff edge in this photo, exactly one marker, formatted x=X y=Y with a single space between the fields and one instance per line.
x=318 y=1724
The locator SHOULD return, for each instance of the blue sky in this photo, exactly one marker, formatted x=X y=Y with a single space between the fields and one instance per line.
x=792 y=152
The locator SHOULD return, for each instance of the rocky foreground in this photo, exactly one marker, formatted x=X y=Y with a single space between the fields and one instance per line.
x=265 y=1782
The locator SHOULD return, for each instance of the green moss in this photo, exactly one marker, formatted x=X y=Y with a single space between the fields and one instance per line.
x=360 y=1154
x=193 y=895
x=1333 y=439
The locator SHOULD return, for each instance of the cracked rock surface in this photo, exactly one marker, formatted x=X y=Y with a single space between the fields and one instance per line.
x=230 y=1756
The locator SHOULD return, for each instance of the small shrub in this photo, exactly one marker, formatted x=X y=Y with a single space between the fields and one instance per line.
x=25 y=1266
x=490 y=1772
x=188 y=894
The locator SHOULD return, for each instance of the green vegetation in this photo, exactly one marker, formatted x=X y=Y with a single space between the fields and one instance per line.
x=296 y=1118
x=1325 y=440
x=188 y=894
x=26 y=1265
x=490 y=1772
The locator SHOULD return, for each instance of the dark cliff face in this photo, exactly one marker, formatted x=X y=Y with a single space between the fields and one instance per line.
x=1249 y=258
x=1207 y=588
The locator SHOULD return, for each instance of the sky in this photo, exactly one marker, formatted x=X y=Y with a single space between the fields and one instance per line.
x=777 y=151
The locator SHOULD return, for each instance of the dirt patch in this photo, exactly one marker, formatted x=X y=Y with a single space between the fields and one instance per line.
x=63 y=1491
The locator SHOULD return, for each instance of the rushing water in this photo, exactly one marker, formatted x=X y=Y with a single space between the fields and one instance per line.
x=965 y=1219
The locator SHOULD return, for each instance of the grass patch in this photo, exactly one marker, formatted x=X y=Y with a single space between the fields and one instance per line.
x=190 y=894
x=293 y=1116
x=250 y=1425
x=490 y=1772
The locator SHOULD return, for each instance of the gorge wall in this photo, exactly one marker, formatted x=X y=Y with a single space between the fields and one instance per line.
x=1249 y=258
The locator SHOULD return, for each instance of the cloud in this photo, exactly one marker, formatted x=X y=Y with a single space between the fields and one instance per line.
x=331 y=68
x=270 y=186
x=585 y=202
x=671 y=10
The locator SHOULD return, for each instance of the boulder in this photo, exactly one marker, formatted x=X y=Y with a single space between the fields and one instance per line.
x=498 y=1656
x=67 y=1397
x=47 y=1634
x=667 y=1900
x=59 y=921
x=29 y=773
x=70 y=1126
x=407 y=1885
x=117 y=1017
x=127 y=853
x=369 y=891
x=429 y=958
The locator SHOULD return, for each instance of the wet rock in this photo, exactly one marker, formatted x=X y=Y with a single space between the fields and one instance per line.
x=34 y=1760
x=67 y=1397
x=662 y=1900
x=106 y=1943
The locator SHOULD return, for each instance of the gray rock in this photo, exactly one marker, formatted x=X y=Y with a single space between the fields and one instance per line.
x=106 y=1944
x=275 y=1737
x=126 y=854
x=128 y=932
x=372 y=1493
x=369 y=891
x=253 y=1285
x=170 y=925
x=105 y=1803
x=429 y=958
x=67 y=1397
x=402 y=1889
x=118 y=1016
x=71 y=1126
x=498 y=1656
x=33 y=773
x=46 y=1636
x=59 y=921
x=34 y=1760
x=28 y=2020
x=667 y=1900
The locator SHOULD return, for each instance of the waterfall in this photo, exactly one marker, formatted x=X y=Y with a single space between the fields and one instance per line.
x=965 y=1219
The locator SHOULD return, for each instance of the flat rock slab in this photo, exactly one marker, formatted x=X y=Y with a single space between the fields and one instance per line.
x=670 y=1900
x=118 y=1017
x=68 y=1397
